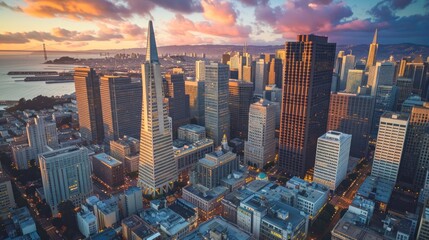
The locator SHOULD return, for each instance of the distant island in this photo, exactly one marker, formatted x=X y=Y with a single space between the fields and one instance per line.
x=63 y=60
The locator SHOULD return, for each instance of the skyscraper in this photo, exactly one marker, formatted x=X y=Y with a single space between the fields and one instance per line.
x=417 y=71
x=352 y=114
x=260 y=76
x=66 y=175
x=200 y=70
x=217 y=118
x=384 y=101
x=275 y=74
x=240 y=98
x=87 y=85
x=354 y=80
x=332 y=158
x=121 y=101
x=348 y=64
x=382 y=73
x=418 y=123
x=390 y=144
x=305 y=104
x=177 y=101
x=157 y=170
x=41 y=134
x=372 y=53
x=195 y=90
x=260 y=148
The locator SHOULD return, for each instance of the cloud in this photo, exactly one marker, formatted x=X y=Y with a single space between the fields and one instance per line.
x=183 y=6
x=219 y=11
x=181 y=26
x=5 y=5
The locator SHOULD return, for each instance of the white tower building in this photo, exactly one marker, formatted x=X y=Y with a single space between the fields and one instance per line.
x=390 y=144
x=157 y=169
x=261 y=144
x=332 y=158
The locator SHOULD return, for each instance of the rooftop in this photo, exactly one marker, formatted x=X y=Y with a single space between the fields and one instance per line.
x=217 y=157
x=108 y=206
x=205 y=193
x=395 y=116
x=186 y=147
x=215 y=226
x=281 y=214
x=193 y=128
x=61 y=151
x=169 y=221
x=107 y=160
x=335 y=136
x=375 y=188
x=132 y=190
x=346 y=227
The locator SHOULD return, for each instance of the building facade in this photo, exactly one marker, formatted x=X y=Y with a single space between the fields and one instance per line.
x=87 y=85
x=332 y=158
x=240 y=98
x=305 y=104
x=157 y=171
x=121 y=101
x=217 y=116
x=390 y=144
x=260 y=148
x=66 y=175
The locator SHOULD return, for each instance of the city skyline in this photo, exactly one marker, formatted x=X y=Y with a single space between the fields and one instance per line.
x=103 y=24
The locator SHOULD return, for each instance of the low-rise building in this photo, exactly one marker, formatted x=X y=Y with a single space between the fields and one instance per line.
x=217 y=228
x=86 y=221
x=207 y=200
x=363 y=208
x=131 y=201
x=378 y=190
x=107 y=213
x=186 y=210
x=170 y=224
x=134 y=225
x=349 y=228
x=191 y=132
x=108 y=169
x=22 y=154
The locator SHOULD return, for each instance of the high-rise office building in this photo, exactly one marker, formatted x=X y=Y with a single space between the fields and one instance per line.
x=7 y=201
x=275 y=72
x=354 y=80
x=41 y=134
x=423 y=163
x=381 y=74
x=177 y=101
x=405 y=90
x=248 y=73
x=87 y=85
x=200 y=70
x=385 y=100
x=390 y=144
x=157 y=171
x=195 y=90
x=66 y=175
x=306 y=91
x=240 y=98
x=338 y=62
x=348 y=64
x=417 y=71
x=418 y=123
x=260 y=148
x=121 y=101
x=260 y=76
x=372 y=53
x=216 y=102
x=332 y=158
x=352 y=114
x=423 y=230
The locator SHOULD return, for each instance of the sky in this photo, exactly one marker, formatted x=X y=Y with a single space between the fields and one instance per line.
x=122 y=24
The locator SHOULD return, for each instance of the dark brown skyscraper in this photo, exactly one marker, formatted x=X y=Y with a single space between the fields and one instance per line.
x=178 y=101
x=240 y=98
x=413 y=164
x=87 y=85
x=305 y=101
x=352 y=114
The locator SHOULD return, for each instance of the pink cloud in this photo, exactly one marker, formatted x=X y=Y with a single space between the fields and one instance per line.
x=219 y=11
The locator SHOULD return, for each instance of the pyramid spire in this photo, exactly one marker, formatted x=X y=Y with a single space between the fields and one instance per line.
x=374 y=40
x=151 y=51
